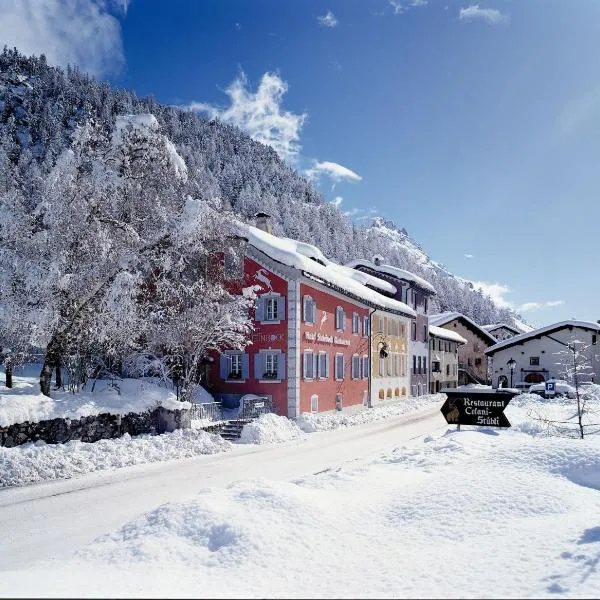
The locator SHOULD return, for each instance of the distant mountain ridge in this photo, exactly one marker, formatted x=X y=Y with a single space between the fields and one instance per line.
x=41 y=107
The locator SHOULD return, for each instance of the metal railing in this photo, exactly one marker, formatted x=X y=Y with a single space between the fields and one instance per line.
x=252 y=408
x=207 y=411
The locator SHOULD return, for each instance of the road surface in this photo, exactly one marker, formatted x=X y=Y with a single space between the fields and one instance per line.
x=53 y=520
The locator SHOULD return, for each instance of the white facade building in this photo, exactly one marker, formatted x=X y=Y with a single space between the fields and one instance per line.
x=537 y=354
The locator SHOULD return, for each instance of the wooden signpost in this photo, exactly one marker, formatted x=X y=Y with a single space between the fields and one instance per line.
x=477 y=407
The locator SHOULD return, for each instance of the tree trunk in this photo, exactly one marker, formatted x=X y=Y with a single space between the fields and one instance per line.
x=52 y=354
x=58 y=366
x=9 y=373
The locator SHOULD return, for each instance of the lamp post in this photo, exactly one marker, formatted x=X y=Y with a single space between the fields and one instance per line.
x=511 y=365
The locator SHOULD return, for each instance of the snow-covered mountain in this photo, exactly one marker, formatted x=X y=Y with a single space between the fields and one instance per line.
x=41 y=107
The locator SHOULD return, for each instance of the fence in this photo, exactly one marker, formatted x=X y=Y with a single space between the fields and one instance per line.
x=207 y=411
x=252 y=408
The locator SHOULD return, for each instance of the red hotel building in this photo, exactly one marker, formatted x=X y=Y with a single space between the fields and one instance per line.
x=310 y=347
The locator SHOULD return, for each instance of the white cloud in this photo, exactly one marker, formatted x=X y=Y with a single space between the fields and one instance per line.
x=332 y=170
x=489 y=15
x=260 y=114
x=498 y=291
x=337 y=201
x=76 y=32
x=400 y=6
x=529 y=306
x=328 y=20
x=466 y=255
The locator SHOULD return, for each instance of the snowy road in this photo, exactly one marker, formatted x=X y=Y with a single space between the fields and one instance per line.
x=53 y=520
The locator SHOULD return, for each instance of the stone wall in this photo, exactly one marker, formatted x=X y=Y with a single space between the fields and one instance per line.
x=94 y=428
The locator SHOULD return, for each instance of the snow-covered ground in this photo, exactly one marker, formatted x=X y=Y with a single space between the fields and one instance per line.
x=35 y=462
x=25 y=402
x=471 y=513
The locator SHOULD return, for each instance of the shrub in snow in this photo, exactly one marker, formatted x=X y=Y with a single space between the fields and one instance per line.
x=269 y=429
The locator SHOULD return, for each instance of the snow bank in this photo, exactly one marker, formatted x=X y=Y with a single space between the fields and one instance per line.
x=35 y=462
x=270 y=429
x=310 y=422
x=25 y=402
x=474 y=513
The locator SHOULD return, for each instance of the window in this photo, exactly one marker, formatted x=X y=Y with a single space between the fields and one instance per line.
x=272 y=312
x=236 y=367
x=440 y=345
x=271 y=359
x=447 y=369
x=233 y=366
x=355 y=366
x=396 y=328
x=309 y=364
x=425 y=365
x=425 y=305
x=435 y=366
x=366 y=326
x=414 y=295
x=355 y=322
x=389 y=365
x=269 y=365
x=314 y=403
x=414 y=364
x=477 y=362
x=270 y=308
x=309 y=308
x=424 y=333
x=365 y=367
x=233 y=265
x=389 y=326
x=594 y=342
x=534 y=361
x=414 y=331
x=381 y=366
x=419 y=365
x=340 y=319
x=380 y=325
x=323 y=365
x=339 y=366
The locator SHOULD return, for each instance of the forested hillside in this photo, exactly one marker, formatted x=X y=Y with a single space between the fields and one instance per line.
x=42 y=108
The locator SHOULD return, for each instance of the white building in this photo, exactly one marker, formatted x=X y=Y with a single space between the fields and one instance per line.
x=537 y=357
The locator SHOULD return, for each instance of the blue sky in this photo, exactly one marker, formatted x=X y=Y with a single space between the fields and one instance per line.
x=474 y=125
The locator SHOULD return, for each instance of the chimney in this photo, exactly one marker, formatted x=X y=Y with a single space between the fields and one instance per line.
x=263 y=221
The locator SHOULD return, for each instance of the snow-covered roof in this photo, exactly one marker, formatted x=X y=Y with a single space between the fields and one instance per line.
x=446 y=334
x=546 y=330
x=442 y=319
x=495 y=326
x=394 y=272
x=310 y=261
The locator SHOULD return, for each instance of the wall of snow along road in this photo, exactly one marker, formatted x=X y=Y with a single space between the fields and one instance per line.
x=35 y=462
x=476 y=513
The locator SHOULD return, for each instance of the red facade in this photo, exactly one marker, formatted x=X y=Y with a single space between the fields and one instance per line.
x=325 y=338
x=329 y=346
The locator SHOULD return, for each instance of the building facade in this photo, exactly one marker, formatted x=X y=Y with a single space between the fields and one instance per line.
x=542 y=354
x=472 y=360
x=443 y=353
x=310 y=350
x=390 y=351
x=415 y=292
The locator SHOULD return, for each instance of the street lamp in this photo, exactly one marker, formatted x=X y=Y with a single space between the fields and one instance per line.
x=511 y=365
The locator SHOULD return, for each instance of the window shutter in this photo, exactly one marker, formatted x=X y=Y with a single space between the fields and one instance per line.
x=260 y=309
x=224 y=366
x=315 y=364
x=327 y=365
x=305 y=304
x=281 y=366
x=281 y=308
x=258 y=366
x=313 y=311
x=245 y=366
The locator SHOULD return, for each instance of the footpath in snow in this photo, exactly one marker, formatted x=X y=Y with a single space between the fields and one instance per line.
x=472 y=513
